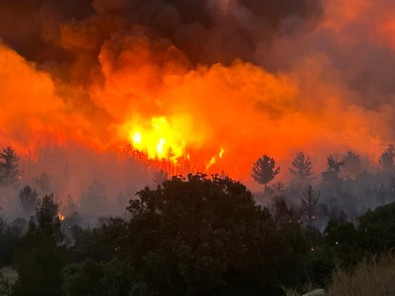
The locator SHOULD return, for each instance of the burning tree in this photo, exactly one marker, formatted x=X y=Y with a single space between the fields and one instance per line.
x=263 y=170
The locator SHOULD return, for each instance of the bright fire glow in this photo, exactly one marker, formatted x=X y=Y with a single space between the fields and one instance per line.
x=60 y=217
x=159 y=140
x=213 y=160
x=144 y=92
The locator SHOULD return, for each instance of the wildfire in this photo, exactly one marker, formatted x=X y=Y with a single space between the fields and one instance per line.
x=170 y=141
x=60 y=217
x=132 y=87
x=213 y=160
x=159 y=140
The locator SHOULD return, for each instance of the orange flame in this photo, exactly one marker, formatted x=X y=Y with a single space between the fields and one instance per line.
x=159 y=140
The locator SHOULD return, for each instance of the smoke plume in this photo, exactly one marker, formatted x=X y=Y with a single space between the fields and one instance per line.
x=217 y=83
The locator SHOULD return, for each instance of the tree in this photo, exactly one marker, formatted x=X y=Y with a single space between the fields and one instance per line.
x=301 y=169
x=387 y=158
x=309 y=204
x=263 y=170
x=331 y=177
x=281 y=213
x=28 y=199
x=201 y=236
x=10 y=236
x=351 y=165
x=8 y=167
x=100 y=279
x=41 y=256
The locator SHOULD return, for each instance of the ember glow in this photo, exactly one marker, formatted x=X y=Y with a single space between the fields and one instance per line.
x=61 y=217
x=208 y=86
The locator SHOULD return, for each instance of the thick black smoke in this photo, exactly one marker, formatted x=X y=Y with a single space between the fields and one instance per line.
x=207 y=31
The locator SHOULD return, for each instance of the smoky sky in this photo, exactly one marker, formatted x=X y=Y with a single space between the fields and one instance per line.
x=207 y=31
x=311 y=71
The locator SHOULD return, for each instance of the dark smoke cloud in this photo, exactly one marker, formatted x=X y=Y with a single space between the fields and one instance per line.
x=208 y=31
x=105 y=61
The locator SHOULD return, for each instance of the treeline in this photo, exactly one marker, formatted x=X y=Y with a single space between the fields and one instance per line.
x=190 y=236
x=200 y=235
x=346 y=189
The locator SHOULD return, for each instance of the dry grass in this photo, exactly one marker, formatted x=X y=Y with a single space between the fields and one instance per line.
x=375 y=276
x=306 y=288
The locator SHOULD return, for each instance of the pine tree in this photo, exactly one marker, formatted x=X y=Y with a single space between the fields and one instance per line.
x=8 y=167
x=263 y=170
x=301 y=169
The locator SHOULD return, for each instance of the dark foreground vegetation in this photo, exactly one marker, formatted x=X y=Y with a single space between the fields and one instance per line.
x=193 y=235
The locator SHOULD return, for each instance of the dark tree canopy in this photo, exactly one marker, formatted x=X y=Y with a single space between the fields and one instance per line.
x=263 y=170
x=8 y=167
x=201 y=236
x=40 y=258
x=301 y=169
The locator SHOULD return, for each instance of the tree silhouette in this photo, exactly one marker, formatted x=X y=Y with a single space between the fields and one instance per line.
x=351 y=164
x=8 y=167
x=331 y=177
x=41 y=257
x=387 y=158
x=281 y=213
x=301 y=169
x=28 y=199
x=263 y=170
x=309 y=204
x=201 y=236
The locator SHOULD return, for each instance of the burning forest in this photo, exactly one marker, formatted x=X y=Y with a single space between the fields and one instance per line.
x=100 y=98
x=189 y=81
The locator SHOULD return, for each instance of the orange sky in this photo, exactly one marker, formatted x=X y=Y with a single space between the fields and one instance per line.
x=125 y=82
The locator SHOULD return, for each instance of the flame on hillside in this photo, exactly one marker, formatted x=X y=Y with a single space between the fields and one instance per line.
x=111 y=82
